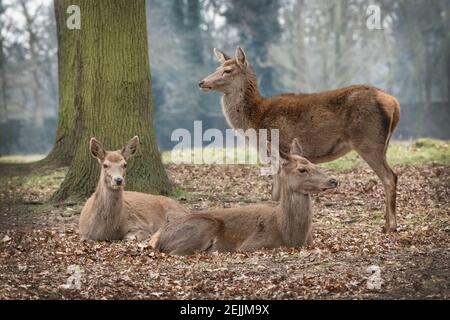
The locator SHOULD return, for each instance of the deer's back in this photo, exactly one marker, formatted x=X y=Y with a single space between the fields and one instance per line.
x=328 y=123
x=242 y=228
x=150 y=212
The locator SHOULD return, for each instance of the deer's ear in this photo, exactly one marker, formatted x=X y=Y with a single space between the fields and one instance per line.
x=130 y=149
x=284 y=156
x=240 y=57
x=284 y=159
x=97 y=150
x=296 y=148
x=221 y=56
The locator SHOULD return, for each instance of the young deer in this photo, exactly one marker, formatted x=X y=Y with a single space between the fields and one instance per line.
x=253 y=227
x=114 y=214
x=327 y=124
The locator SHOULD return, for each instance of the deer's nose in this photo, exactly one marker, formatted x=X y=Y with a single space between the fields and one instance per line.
x=200 y=83
x=118 y=181
x=333 y=182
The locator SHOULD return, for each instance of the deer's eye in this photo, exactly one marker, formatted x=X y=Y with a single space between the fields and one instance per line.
x=228 y=71
x=124 y=165
x=302 y=170
x=105 y=166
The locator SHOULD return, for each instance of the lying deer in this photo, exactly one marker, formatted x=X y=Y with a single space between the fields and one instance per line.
x=253 y=227
x=114 y=214
x=327 y=124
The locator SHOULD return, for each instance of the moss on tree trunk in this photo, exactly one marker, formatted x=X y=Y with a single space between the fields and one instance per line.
x=69 y=62
x=109 y=91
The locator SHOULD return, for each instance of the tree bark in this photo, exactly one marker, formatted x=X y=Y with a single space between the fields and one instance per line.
x=109 y=90
x=69 y=67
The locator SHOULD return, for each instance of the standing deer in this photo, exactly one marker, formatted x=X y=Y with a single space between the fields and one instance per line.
x=114 y=214
x=257 y=226
x=327 y=124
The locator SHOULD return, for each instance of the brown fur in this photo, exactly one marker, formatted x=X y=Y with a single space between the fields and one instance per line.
x=114 y=214
x=252 y=227
x=327 y=124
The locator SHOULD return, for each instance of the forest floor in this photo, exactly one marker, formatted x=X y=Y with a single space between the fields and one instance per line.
x=40 y=247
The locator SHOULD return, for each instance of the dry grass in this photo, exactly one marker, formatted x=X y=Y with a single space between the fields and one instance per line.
x=38 y=242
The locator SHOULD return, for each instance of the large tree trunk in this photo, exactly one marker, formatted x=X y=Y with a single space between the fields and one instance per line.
x=69 y=68
x=110 y=91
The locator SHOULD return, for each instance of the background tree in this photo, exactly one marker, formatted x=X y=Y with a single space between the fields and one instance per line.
x=109 y=88
x=28 y=77
x=422 y=39
x=3 y=84
x=294 y=45
x=181 y=30
x=326 y=45
x=257 y=24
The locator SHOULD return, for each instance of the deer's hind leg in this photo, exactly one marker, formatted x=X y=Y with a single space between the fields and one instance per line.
x=264 y=237
x=375 y=156
x=189 y=234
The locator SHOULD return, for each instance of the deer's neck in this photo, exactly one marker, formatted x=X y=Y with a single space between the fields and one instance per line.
x=107 y=208
x=242 y=106
x=296 y=217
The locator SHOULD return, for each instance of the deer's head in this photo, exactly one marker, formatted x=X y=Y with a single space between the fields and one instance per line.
x=230 y=75
x=113 y=163
x=301 y=176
